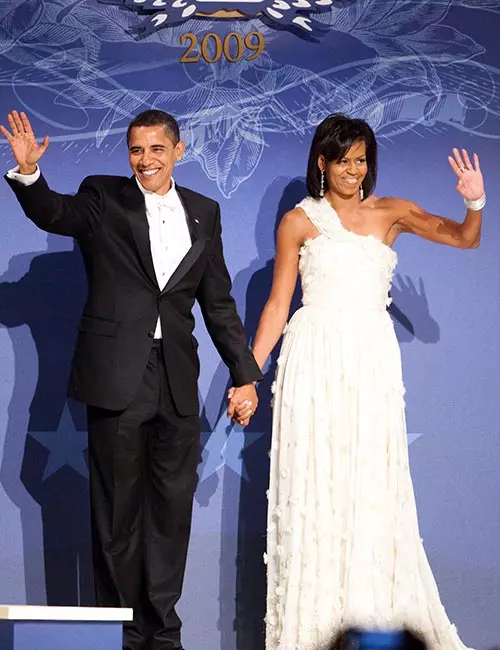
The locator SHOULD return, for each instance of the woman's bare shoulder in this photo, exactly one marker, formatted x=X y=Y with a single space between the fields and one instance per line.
x=295 y=217
x=296 y=224
x=385 y=202
x=390 y=208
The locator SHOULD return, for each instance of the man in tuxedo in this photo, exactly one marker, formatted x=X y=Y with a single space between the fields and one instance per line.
x=151 y=248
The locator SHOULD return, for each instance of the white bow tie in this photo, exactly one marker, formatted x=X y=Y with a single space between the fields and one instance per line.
x=165 y=201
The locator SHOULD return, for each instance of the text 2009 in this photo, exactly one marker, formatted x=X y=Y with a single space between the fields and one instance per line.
x=212 y=47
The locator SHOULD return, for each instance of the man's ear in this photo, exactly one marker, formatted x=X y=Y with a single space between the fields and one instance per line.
x=180 y=148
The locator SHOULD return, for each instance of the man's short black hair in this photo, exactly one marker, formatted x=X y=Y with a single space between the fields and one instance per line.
x=154 y=117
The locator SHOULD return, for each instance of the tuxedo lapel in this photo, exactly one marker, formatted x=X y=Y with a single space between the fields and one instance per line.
x=136 y=212
x=135 y=207
x=198 y=240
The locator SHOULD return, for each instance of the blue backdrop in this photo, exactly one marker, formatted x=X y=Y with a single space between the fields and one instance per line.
x=426 y=75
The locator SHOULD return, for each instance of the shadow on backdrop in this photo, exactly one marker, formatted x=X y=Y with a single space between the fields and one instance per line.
x=246 y=473
x=45 y=452
x=410 y=312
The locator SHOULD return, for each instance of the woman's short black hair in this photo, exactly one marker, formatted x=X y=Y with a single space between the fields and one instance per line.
x=154 y=117
x=333 y=138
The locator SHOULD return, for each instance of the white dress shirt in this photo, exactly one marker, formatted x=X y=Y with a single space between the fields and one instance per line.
x=168 y=229
x=168 y=235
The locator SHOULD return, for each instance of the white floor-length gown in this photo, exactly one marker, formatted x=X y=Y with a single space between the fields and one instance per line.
x=343 y=539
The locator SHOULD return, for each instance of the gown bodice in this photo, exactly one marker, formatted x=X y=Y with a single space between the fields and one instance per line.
x=341 y=270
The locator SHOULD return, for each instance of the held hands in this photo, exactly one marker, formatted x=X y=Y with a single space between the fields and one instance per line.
x=21 y=138
x=470 y=179
x=242 y=403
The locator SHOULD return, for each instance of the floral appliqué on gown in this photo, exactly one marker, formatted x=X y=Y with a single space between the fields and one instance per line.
x=343 y=541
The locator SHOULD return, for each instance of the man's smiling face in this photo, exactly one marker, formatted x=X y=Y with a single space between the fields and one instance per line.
x=153 y=153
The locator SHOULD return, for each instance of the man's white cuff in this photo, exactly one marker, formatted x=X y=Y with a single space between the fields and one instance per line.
x=24 y=179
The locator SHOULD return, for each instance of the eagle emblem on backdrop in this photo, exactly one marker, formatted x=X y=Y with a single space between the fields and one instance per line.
x=292 y=14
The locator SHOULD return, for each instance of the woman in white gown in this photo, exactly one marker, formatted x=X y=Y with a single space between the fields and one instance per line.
x=343 y=541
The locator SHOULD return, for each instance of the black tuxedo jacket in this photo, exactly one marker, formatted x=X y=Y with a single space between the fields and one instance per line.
x=108 y=219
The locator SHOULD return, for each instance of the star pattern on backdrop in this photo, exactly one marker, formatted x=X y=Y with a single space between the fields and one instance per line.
x=224 y=447
x=66 y=446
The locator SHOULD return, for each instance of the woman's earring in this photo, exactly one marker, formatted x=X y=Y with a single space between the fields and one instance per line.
x=322 y=186
x=361 y=193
